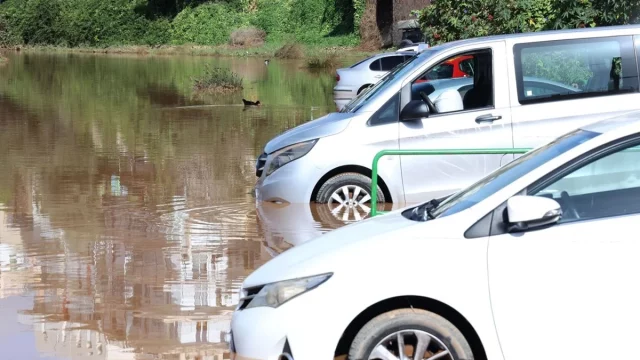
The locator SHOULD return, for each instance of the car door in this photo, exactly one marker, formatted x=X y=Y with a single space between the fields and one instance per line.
x=569 y=291
x=476 y=125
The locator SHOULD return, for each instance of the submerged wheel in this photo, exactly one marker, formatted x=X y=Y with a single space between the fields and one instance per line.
x=410 y=334
x=348 y=196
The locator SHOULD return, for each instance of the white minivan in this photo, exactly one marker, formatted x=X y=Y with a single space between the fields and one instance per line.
x=526 y=89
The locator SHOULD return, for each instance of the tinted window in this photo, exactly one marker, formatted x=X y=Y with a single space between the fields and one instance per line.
x=466 y=66
x=587 y=67
x=359 y=62
x=607 y=186
x=388 y=63
x=375 y=66
x=442 y=71
x=388 y=113
x=538 y=88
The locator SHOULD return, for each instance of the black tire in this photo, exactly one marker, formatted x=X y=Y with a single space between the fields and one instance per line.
x=405 y=319
x=363 y=87
x=345 y=179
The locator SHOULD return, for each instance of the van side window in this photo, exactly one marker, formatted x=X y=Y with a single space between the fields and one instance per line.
x=569 y=69
x=461 y=82
x=388 y=113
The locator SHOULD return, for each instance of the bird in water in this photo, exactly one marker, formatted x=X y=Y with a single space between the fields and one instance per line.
x=250 y=103
x=266 y=62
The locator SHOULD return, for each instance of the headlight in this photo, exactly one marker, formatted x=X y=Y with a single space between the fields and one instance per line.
x=286 y=155
x=276 y=294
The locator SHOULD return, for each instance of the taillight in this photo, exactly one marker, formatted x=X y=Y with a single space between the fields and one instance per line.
x=337 y=77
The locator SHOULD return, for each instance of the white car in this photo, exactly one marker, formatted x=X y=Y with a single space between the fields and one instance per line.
x=416 y=47
x=353 y=80
x=537 y=259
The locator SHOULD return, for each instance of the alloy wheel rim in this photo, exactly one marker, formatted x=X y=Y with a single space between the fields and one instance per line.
x=350 y=203
x=410 y=345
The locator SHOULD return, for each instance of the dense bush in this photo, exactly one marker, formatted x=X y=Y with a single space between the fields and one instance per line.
x=289 y=51
x=208 y=24
x=249 y=36
x=33 y=21
x=130 y=22
x=99 y=22
x=447 y=20
x=7 y=36
x=217 y=80
x=329 y=61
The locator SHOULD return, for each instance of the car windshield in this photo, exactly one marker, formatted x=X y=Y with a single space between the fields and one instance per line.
x=504 y=176
x=398 y=71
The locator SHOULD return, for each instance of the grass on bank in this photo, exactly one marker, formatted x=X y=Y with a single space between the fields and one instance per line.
x=216 y=81
x=267 y=50
x=329 y=61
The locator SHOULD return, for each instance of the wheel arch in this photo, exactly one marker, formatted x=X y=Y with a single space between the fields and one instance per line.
x=362 y=88
x=403 y=302
x=354 y=169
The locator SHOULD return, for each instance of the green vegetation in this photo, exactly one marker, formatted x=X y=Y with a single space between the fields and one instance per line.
x=448 y=20
x=290 y=51
x=3 y=60
x=328 y=61
x=217 y=80
x=101 y=24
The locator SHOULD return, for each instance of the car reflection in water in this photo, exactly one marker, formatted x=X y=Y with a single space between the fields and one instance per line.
x=287 y=225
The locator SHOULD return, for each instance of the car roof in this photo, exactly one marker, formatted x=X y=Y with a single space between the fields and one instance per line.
x=559 y=34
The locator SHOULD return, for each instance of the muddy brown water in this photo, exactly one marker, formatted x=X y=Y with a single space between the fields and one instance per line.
x=127 y=221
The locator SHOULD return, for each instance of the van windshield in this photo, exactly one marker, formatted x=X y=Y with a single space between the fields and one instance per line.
x=398 y=72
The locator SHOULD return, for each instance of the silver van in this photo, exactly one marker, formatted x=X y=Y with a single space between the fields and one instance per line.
x=526 y=89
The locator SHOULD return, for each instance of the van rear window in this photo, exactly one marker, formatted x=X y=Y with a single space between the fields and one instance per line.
x=567 y=69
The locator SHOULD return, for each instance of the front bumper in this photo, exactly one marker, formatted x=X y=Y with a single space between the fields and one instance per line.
x=292 y=183
x=298 y=328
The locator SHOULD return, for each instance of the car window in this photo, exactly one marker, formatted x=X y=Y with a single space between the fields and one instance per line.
x=442 y=71
x=538 y=88
x=586 y=67
x=466 y=66
x=359 y=62
x=399 y=72
x=477 y=96
x=375 y=66
x=607 y=186
x=388 y=113
x=389 y=62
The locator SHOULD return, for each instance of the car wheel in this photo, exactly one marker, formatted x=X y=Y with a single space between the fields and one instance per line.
x=348 y=196
x=410 y=334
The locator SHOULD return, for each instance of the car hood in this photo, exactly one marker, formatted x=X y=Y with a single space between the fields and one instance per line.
x=327 y=125
x=342 y=247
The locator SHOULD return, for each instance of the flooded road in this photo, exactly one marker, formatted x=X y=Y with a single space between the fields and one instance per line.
x=127 y=221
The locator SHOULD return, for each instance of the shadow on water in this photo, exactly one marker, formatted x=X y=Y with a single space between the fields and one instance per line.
x=127 y=223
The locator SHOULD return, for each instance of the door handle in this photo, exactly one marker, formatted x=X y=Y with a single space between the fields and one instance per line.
x=488 y=118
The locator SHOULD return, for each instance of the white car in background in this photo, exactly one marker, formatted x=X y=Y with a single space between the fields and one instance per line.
x=353 y=80
x=545 y=247
x=415 y=47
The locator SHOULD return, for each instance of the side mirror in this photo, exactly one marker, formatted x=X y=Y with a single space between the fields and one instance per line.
x=527 y=212
x=414 y=110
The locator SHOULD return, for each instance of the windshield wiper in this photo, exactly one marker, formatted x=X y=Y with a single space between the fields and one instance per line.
x=424 y=211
